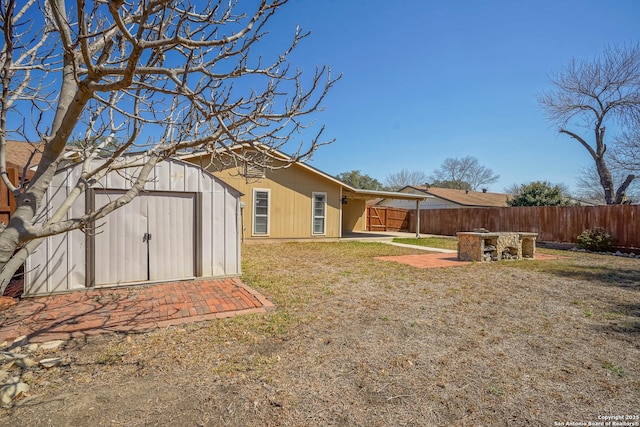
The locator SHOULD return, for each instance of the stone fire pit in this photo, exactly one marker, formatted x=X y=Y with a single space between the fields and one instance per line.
x=496 y=246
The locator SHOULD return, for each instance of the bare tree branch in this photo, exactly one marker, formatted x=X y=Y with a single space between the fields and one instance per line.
x=465 y=173
x=397 y=180
x=133 y=83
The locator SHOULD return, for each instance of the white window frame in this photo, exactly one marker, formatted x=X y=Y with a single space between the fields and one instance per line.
x=313 y=213
x=253 y=213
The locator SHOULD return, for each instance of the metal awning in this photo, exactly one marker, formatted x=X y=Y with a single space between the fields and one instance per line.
x=375 y=194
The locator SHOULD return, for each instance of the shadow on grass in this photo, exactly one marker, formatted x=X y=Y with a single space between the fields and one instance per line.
x=625 y=276
x=607 y=275
x=628 y=278
x=628 y=326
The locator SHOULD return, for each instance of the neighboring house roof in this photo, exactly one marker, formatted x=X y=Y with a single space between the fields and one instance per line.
x=352 y=192
x=19 y=153
x=464 y=197
x=586 y=202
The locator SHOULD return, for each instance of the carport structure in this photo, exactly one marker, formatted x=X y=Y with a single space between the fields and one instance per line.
x=355 y=206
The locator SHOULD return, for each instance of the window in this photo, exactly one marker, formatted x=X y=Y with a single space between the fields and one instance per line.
x=319 y=212
x=260 y=212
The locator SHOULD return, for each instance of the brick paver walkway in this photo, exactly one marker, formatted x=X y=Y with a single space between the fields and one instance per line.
x=130 y=309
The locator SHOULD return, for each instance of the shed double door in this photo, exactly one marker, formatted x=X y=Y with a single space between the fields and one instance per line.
x=149 y=239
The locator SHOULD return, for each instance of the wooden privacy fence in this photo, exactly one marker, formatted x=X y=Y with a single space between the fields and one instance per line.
x=383 y=218
x=7 y=201
x=552 y=223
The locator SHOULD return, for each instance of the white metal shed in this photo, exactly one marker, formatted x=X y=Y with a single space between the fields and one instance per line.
x=185 y=224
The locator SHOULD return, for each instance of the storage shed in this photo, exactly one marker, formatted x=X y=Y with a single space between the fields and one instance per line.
x=185 y=224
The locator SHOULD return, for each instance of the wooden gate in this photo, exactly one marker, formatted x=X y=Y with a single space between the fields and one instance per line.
x=376 y=218
x=383 y=218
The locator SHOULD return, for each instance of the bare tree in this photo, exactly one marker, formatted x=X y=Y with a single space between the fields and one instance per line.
x=588 y=185
x=590 y=94
x=397 y=180
x=138 y=82
x=466 y=174
x=626 y=152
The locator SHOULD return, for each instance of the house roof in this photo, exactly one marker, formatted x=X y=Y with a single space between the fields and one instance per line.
x=19 y=153
x=464 y=197
x=350 y=192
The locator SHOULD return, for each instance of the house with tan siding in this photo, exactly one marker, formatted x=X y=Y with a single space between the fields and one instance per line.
x=294 y=202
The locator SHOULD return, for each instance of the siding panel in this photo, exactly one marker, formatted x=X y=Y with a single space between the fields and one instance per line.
x=120 y=252
x=171 y=224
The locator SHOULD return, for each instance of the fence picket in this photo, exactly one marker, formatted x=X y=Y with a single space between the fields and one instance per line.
x=552 y=223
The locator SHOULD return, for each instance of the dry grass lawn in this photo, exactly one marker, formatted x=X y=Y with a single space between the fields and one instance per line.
x=360 y=342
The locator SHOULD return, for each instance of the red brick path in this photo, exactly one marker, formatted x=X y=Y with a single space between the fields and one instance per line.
x=131 y=309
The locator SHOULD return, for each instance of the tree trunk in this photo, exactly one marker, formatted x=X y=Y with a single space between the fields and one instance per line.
x=620 y=194
x=606 y=180
x=29 y=202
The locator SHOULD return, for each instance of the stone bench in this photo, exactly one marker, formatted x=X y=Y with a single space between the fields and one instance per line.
x=496 y=246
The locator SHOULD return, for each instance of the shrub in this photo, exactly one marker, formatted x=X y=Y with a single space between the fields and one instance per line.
x=597 y=240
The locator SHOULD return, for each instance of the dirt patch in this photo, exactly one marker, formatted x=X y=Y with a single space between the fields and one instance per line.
x=437 y=260
x=426 y=260
x=357 y=341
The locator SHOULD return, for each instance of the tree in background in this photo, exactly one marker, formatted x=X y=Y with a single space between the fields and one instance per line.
x=140 y=82
x=590 y=94
x=466 y=174
x=588 y=185
x=538 y=193
x=357 y=180
x=626 y=152
x=398 y=180
x=458 y=185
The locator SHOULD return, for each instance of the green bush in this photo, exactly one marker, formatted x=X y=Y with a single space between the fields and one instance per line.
x=597 y=240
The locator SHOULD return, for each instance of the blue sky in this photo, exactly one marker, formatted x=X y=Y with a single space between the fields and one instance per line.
x=427 y=80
